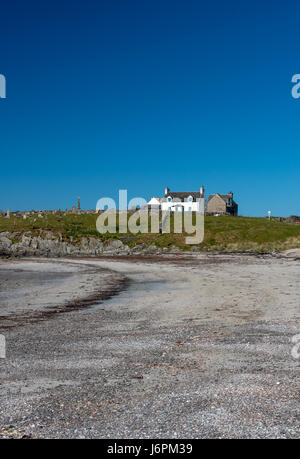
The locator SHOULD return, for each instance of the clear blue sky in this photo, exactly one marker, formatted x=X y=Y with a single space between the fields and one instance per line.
x=113 y=94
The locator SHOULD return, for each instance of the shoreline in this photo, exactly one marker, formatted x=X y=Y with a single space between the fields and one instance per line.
x=39 y=242
x=110 y=284
x=115 y=283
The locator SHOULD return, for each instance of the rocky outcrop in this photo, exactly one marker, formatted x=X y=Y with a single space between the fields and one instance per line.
x=48 y=244
x=53 y=246
x=5 y=243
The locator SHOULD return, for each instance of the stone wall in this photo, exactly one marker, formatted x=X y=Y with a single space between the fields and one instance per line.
x=216 y=205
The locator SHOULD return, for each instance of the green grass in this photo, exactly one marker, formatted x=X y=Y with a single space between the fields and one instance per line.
x=221 y=233
x=242 y=234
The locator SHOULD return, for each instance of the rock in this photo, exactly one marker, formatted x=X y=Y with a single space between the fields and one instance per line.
x=96 y=246
x=49 y=244
x=17 y=249
x=137 y=249
x=26 y=240
x=114 y=244
x=6 y=234
x=151 y=249
x=84 y=242
x=5 y=243
x=114 y=247
x=291 y=253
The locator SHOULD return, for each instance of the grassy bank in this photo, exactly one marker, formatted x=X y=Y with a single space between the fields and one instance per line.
x=221 y=233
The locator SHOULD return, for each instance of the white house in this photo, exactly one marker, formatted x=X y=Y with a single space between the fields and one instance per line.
x=180 y=201
x=154 y=202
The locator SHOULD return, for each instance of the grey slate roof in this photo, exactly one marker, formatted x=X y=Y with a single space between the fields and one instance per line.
x=182 y=195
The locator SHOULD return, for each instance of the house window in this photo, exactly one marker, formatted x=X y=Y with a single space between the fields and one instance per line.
x=169 y=209
x=190 y=198
x=169 y=199
x=190 y=208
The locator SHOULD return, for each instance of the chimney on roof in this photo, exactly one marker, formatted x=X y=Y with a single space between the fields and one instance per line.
x=202 y=191
x=230 y=198
x=167 y=191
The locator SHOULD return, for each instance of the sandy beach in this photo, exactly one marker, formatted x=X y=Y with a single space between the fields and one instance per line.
x=194 y=346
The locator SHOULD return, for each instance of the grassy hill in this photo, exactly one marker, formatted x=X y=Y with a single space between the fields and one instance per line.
x=221 y=233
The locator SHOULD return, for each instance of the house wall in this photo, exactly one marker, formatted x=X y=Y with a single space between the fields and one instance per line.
x=187 y=206
x=233 y=210
x=216 y=205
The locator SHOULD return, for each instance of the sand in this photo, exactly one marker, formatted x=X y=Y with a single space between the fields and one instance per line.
x=191 y=347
